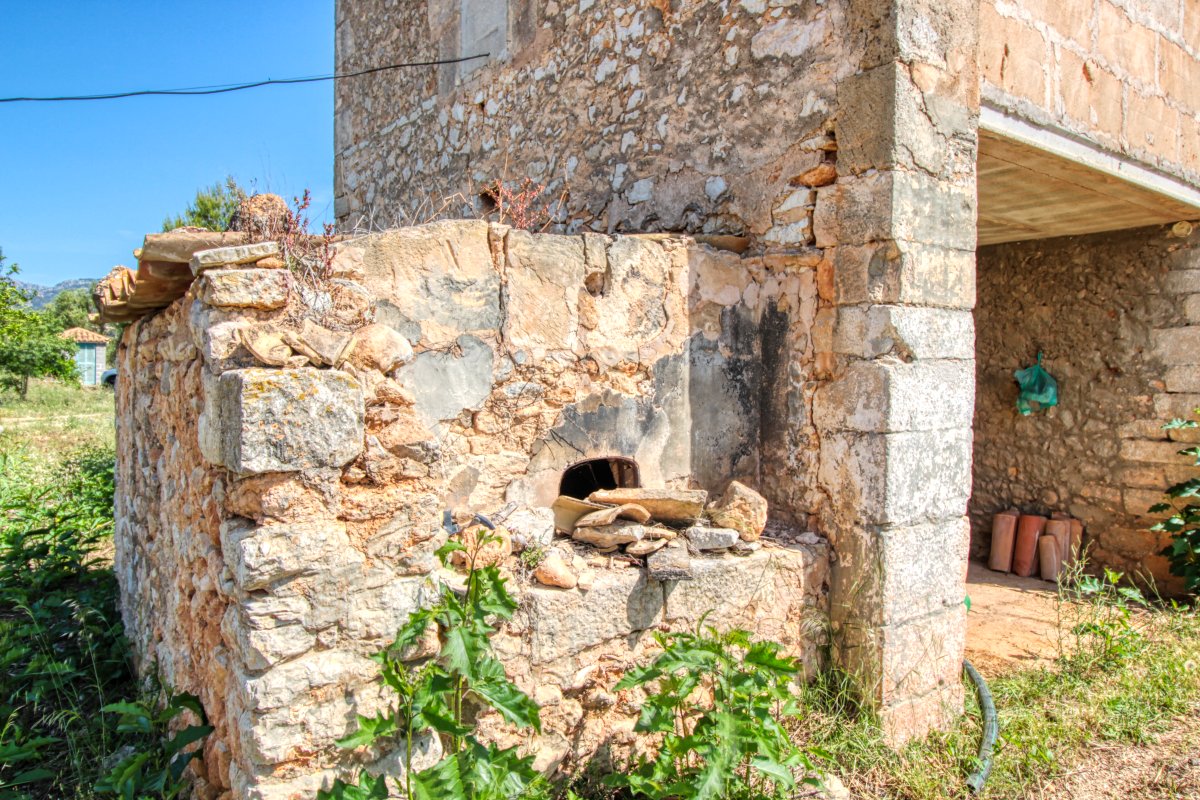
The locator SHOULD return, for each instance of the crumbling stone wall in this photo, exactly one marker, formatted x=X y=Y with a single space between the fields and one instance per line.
x=1123 y=74
x=1116 y=316
x=288 y=448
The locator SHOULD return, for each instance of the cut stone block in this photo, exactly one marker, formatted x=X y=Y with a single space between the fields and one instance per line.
x=282 y=420
x=705 y=538
x=245 y=288
x=231 y=256
x=260 y=556
x=883 y=397
x=664 y=505
x=671 y=563
x=909 y=332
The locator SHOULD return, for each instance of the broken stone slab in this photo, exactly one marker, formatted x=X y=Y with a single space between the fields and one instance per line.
x=671 y=563
x=610 y=535
x=568 y=510
x=742 y=509
x=181 y=244
x=608 y=516
x=664 y=505
x=646 y=546
x=705 y=538
x=282 y=420
x=264 y=289
x=218 y=257
x=326 y=344
x=267 y=346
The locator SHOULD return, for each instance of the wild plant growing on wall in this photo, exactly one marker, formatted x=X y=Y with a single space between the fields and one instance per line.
x=1184 y=521
x=435 y=697
x=718 y=701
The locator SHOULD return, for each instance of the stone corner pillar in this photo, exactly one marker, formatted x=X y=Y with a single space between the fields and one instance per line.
x=895 y=343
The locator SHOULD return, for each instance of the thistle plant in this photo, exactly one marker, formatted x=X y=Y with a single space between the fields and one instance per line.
x=434 y=697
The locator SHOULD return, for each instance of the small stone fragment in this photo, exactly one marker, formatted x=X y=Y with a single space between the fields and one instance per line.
x=270 y=262
x=646 y=546
x=610 y=535
x=670 y=563
x=664 y=505
x=608 y=516
x=705 y=538
x=743 y=548
x=587 y=579
x=266 y=346
x=231 y=256
x=553 y=571
x=491 y=554
x=659 y=532
x=742 y=509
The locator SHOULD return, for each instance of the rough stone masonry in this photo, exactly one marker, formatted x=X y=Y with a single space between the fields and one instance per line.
x=288 y=447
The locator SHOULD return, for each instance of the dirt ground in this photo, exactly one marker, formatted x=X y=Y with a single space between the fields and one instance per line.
x=1013 y=624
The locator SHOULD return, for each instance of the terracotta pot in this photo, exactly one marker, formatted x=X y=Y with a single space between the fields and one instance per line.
x=1060 y=529
x=1076 y=541
x=1004 y=534
x=1050 y=563
x=1025 y=551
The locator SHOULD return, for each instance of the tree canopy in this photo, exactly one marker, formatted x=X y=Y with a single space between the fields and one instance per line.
x=30 y=346
x=212 y=208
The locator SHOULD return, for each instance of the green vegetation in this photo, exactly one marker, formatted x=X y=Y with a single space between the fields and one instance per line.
x=29 y=344
x=1184 y=521
x=718 y=702
x=1127 y=670
x=437 y=696
x=212 y=208
x=54 y=419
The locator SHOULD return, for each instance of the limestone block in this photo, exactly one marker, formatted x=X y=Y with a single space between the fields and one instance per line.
x=742 y=509
x=904 y=272
x=260 y=644
x=924 y=654
x=610 y=535
x=434 y=282
x=545 y=275
x=897 y=478
x=907 y=718
x=377 y=347
x=259 y=556
x=379 y=612
x=245 y=288
x=665 y=505
x=1178 y=346
x=561 y=624
x=898 y=205
x=530 y=527
x=909 y=332
x=268 y=420
x=291 y=682
x=885 y=396
x=230 y=256
x=703 y=537
x=670 y=563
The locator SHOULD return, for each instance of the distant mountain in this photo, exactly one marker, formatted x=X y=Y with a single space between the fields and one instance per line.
x=41 y=296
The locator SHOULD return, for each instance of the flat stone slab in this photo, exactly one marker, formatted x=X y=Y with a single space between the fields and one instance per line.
x=664 y=505
x=283 y=420
x=231 y=256
x=610 y=535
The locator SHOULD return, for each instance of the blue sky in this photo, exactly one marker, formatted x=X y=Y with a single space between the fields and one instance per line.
x=81 y=183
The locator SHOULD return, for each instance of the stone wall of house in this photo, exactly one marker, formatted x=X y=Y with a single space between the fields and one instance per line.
x=288 y=447
x=669 y=116
x=1117 y=317
x=1125 y=74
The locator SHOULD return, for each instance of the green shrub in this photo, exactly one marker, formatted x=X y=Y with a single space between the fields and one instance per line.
x=436 y=697
x=719 y=701
x=156 y=769
x=1184 y=521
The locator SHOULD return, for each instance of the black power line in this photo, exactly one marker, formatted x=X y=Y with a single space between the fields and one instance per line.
x=235 y=87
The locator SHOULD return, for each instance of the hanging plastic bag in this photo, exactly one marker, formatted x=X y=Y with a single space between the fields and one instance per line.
x=1039 y=390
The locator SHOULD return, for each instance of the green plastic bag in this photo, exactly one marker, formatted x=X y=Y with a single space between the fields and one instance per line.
x=1037 y=388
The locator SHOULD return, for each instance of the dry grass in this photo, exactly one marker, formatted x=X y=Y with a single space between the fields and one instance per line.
x=55 y=420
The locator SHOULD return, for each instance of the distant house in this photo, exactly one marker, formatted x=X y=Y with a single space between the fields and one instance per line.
x=89 y=353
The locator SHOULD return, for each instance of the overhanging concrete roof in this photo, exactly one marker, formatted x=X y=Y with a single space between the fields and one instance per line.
x=1035 y=183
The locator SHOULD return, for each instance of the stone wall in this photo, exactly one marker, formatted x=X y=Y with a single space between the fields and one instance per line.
x=288 y=447
x=672 y=116
x=1116 y=316
x=1125 y=74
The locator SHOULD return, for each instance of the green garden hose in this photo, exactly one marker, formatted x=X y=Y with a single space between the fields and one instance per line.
x=991 y=728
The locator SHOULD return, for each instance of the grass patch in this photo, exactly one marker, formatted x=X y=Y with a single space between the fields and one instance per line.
x=56 y=420
x=1048 y=716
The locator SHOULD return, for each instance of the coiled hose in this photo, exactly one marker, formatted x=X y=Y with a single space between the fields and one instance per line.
x=991 y=728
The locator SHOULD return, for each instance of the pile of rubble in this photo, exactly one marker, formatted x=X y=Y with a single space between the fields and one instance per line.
x=662 y=528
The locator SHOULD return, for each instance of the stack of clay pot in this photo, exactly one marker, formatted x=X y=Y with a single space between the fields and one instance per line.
x=1025 y=544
